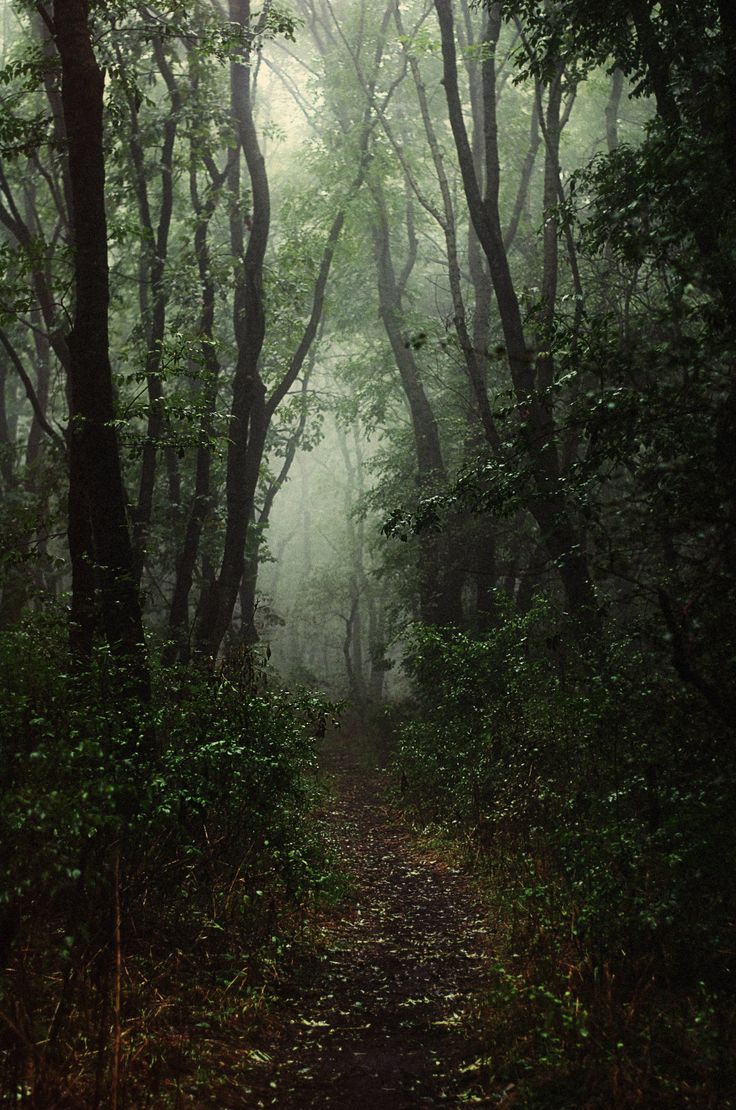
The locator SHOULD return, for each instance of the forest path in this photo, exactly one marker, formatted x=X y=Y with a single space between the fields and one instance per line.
x=376 y=1021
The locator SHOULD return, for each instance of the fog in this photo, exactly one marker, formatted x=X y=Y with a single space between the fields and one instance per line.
x=383 y=412
x=332 y=606
x=367 y=553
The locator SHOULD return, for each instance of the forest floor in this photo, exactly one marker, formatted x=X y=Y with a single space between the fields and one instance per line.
x=373 y=1001
x=378 y=1019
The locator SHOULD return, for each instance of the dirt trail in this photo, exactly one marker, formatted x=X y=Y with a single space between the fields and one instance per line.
x=376 y=1022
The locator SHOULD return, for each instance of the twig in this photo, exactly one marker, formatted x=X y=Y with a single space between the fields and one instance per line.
x=30 y=391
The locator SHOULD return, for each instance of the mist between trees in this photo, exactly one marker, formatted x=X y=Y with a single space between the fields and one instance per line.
x=377 y=352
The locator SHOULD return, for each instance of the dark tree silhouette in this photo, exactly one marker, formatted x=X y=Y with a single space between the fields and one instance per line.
x=99 y=535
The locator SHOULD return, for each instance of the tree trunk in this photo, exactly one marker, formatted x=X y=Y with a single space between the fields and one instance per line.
x=440 y=587
x=249 y=588
x=612 y=107
x=96 y=485
x=248 y=420
x=154 y=318
x=549 y=506
x=377 y=649
x=178 y=642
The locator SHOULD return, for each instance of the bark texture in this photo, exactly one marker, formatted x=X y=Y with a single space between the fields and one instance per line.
x=98 y=524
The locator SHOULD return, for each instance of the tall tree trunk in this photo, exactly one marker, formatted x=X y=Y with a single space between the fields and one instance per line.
x=248 y=420
x=153 y=310
x=249 y=587
x=259 y=524
x=440 y=586
x=178 y=646
x=612 y=109
x=549 y=507
x=377 y=649
x=474 y=361
x=358 y=582
x=252 y=411
x=97 y=501
x=350 y=645
x=7 y=436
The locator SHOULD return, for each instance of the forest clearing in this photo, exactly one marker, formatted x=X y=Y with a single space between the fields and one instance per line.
x=368 y=554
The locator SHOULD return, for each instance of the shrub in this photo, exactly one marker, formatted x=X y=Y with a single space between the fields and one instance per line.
x=598 y=796
x=176 y=831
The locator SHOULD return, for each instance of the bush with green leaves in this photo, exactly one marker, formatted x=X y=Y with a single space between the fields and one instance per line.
x=188 y=820
x=598 y=796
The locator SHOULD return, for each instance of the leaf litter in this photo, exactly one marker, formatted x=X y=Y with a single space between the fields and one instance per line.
x=378 y=1019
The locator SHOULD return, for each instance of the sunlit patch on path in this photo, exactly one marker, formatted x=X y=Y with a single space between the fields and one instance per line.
x=377 y=1021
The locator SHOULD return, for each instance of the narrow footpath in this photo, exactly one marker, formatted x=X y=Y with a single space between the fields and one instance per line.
x=379 y=1021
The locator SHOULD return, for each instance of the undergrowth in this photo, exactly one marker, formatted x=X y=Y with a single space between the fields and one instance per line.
x=596 y=797
x=155 y=863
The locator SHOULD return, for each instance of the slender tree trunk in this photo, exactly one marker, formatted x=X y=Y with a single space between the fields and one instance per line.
x=446 y=218
x=7 y=438
x=18 y=584
x=377 y=648
x=549 y=507
x=612 y=109
x=252 y=411
x=248 y=421
x=353 y=665
x=178 y=641
x=550 y=251
x=249 y=587
x=358 y=583
x=440 y=586
x=155 y=317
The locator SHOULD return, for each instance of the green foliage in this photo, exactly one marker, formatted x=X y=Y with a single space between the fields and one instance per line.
x=597 y=796
x=201 y=800
x=23 y=73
